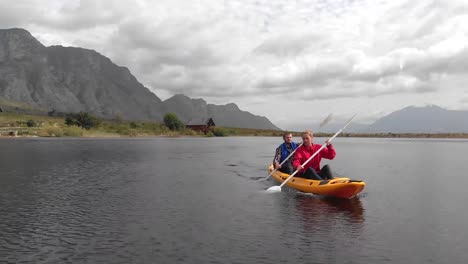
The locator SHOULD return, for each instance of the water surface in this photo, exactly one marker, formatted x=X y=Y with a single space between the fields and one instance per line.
x=187 y=200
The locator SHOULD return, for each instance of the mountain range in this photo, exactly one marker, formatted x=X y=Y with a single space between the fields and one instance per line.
x=427 y=119
x=411 y=119
x=69 y=79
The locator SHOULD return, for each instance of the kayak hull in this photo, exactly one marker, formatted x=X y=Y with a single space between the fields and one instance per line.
x=338 y=187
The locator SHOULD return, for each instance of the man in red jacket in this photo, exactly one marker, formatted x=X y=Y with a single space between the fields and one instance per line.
x=312 y=170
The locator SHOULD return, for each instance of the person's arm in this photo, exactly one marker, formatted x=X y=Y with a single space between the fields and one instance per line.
x=297 y=160
x=328 y=152
x=277 y=158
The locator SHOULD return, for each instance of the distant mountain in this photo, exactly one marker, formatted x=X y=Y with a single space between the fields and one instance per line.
x=70 y=79
x=428 y=119
x=412 y=119
x=228 y=115
x=67 y=79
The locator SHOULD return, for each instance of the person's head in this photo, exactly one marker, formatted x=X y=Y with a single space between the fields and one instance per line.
x=287 y=137
x=307 y=137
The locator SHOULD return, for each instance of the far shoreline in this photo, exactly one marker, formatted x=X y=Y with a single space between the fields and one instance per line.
x=296 y=134
x=16 y=125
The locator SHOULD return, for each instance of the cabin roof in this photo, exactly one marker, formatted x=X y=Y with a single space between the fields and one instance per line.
x=200 y=121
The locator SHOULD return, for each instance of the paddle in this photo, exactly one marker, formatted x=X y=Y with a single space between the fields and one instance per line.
x=324 y=122
x=278 y=188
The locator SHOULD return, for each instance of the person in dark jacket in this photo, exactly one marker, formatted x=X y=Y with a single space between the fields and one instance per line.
x=282 y=152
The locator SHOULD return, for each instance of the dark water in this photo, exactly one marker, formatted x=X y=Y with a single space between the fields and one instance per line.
x=197 y=201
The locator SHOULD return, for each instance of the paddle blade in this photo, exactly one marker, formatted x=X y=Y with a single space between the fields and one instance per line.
x=274 y=189
x=326 y=120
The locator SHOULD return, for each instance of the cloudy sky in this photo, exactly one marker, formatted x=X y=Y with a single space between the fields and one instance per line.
x=292 y=61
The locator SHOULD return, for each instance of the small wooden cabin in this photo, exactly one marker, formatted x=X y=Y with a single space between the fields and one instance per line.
x=202 y=125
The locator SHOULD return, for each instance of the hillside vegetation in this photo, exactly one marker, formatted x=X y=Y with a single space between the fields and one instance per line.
x=47 y=126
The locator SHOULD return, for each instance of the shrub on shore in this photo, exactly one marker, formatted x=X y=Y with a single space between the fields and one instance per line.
x=173 y=122
x=82 y=119
x=50 y=131
x=73 y=131
x=220 y=132
x=31 y=123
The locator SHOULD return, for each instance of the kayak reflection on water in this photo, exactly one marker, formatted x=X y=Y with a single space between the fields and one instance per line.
x=318 y=210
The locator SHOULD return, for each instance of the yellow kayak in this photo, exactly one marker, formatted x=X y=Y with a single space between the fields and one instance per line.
x=338 y=187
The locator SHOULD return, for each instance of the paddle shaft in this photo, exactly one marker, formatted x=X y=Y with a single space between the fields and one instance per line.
x=317 y=152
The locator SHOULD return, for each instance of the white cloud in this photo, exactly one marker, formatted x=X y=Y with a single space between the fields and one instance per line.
x=464 y=99
x=236 y=50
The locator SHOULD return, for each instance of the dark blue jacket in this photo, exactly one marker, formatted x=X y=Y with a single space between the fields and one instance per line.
x=285 y=152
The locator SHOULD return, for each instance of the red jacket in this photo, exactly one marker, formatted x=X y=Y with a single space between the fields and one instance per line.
x=303 y=153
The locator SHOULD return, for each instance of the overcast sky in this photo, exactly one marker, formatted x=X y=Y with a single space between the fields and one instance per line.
x=292 y=61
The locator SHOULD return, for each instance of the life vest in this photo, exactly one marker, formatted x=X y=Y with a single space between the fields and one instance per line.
x=284 y=150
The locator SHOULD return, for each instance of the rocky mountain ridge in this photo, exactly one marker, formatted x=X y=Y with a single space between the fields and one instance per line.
x=69 y=79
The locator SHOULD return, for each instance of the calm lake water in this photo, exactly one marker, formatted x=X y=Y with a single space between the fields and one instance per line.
x=190 y=200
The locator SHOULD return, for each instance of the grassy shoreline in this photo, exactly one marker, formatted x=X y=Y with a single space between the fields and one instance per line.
x=45 y=126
